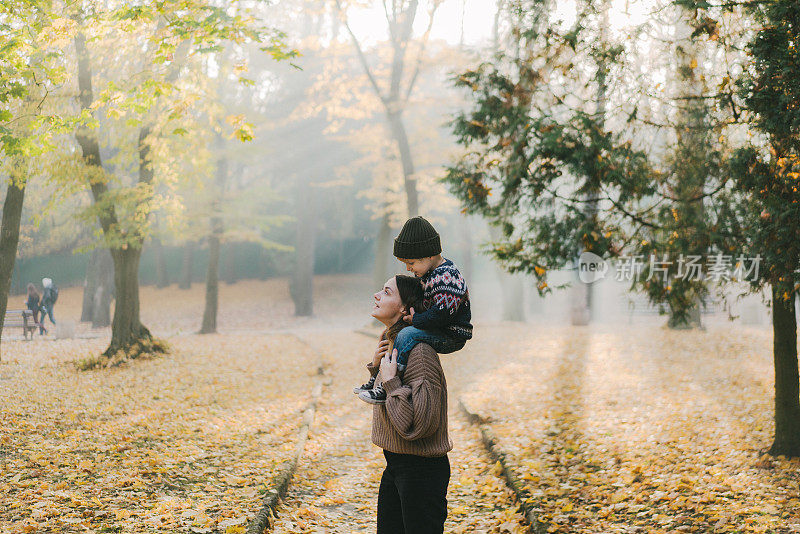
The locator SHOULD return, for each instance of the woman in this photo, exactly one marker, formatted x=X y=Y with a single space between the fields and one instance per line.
x=411 y=427
x=33 y=305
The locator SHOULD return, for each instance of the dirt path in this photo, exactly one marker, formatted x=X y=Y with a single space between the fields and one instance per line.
x=336 y=485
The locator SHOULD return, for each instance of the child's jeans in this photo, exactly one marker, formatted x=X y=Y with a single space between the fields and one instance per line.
x=440 y=341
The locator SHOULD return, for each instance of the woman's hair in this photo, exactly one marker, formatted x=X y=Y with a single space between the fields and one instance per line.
x=32 y=290
x=411 y=294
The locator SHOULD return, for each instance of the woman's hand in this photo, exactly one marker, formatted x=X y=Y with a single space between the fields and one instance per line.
x=389 y=366
x=380 y=352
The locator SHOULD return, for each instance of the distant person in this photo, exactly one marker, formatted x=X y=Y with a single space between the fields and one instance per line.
x=33 y=305
x=49 y=298
x=445 y=322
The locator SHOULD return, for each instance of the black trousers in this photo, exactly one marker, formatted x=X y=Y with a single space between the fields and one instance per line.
x=412 y=498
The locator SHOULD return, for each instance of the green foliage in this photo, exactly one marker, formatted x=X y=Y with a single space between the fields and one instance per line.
x=772 y=91
x=685 y=227
x=535 y=166
x=155 y=104
x=153 y=109
x=766 y=174
x=557 y=180
x=31 y=73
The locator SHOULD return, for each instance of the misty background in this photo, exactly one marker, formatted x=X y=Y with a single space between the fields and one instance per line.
x=305 y=159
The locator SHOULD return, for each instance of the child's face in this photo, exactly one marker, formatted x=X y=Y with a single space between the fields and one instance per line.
x=419 y=266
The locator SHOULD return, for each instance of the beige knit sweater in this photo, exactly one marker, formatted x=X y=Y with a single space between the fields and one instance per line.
x=414 y=418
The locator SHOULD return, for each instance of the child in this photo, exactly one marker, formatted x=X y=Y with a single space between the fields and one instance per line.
x=445 y=324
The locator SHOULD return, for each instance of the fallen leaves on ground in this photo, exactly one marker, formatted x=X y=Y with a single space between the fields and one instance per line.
x=628 y=429
x=640 y=429
x=182 y=442
x=335 y=489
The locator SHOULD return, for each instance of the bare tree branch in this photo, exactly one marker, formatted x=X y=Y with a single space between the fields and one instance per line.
x=398 y=63
x=360 y=52
x=390 y=20
x=422 y=46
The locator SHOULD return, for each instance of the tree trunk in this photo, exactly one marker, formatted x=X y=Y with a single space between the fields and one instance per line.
x=186 y=266
x=398 y=130
x=230 y=264
x=104 y=290
x=401 y=27
x=264 y=264
x=693 y=319
x=513 y=297
x=126 y=328
x=99 y=273
x=209 y=325
x=580 y=314
x=101 y=316
x=19 y=289
x=162 y=276
x=583 y=305
x=692 y=152
x=510 y=288
x=9 y=238
x=90 y=287
x=787 y=389
x=382 y=245
x=302 y=282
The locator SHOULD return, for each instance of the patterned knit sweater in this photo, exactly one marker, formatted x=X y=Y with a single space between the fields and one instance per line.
x=414 y=418
x=447 y=302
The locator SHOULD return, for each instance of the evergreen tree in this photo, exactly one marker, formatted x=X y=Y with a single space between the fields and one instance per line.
x=769 y=175
x=759 y=210
x=536 y=156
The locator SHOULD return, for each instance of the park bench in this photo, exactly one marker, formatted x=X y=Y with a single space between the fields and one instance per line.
x=639 y=304
x=20 y=318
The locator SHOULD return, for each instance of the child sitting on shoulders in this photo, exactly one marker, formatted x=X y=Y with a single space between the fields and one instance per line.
x=445 y=323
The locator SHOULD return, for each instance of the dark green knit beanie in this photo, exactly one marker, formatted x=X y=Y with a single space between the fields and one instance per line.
x=417 y=239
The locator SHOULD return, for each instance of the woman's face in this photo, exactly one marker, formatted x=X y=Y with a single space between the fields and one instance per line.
x=388 y=306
